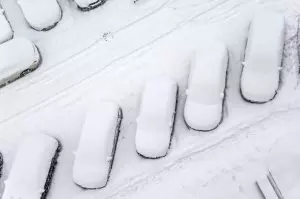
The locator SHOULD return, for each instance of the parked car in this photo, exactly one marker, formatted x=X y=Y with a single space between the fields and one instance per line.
x=263 y=56
x=86 y=5
x=18 y=57
x=6 y=32
x=155 y=122
x=204 y=104
x=33 y=168
x=41 y=15
x=97 y=146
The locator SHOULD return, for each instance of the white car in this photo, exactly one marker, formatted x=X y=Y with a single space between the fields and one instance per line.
x=6 y=32
x=155 y=122
x=86 y=5
x=18 y=56
x=33 y=168
x=41 y=15
x=263 y=56
x=204 y=104
x=97 y=146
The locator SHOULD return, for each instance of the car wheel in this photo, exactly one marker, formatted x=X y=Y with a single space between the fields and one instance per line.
x=25 y=72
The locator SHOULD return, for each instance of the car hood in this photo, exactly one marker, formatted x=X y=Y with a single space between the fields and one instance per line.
x=152 y=144
x=259 y=87
x=90 y=176
x=41 y=14
x=202 y=117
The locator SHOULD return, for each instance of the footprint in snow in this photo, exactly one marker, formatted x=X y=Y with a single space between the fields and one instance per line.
x=108 y=36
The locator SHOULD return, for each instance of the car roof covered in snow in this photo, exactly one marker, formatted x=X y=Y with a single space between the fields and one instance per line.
x=31 y=167
x=91 y=165
x=5 y=29
x=266 y=32
x=208 y=72
x=41 y=14
x=16 y=55
x=158 y=99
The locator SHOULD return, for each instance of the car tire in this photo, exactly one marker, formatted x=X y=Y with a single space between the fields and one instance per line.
x=25 y=72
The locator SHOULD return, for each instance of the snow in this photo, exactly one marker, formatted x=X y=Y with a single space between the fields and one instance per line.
x=152 y=37
x=30 y=169
x=41 y=14
x=17 y=55
x=94 y=156
x=261 y=73
x=156 y=117
x=205 y=94
x=6 y=32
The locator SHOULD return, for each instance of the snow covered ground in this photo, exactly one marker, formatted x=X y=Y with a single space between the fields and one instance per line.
x=109 y=53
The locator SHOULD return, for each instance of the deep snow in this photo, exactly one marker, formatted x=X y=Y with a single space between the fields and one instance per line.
x=152 y=38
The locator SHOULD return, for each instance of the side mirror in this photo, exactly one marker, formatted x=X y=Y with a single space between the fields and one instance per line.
x=187 y=92
x=222 y=95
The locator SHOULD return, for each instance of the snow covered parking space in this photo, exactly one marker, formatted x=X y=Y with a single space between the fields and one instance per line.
x=53 y=100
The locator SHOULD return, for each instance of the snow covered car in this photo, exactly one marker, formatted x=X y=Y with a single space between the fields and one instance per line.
x=97 y=146
x=41 y=15
x=263 y=56
x=18 y=57
x=155 y=122
x=6 y=32
x=86 y=5
x=204 y=104
x=33 y=168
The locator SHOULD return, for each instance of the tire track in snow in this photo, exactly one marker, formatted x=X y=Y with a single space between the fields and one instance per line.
x=59 y=64
x=232 y=134
x=96 y=42
x=46 y=101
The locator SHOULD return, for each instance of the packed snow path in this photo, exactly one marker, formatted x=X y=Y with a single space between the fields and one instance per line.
x=79 y=66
